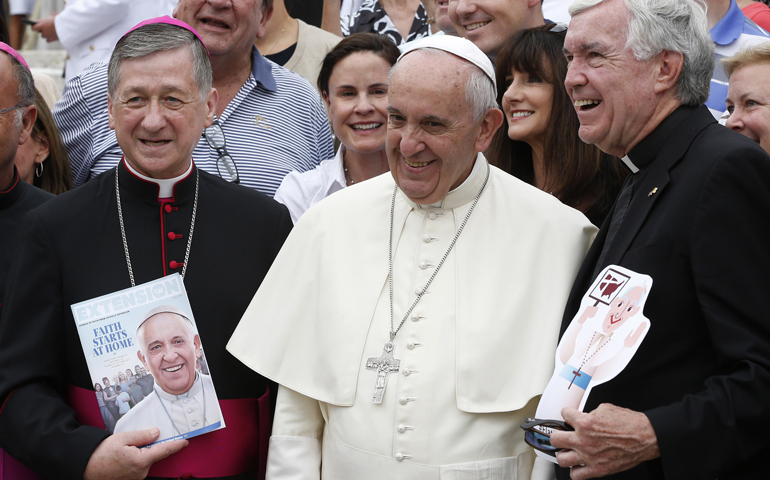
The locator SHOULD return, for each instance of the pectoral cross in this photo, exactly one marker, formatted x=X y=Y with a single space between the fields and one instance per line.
x=577 y=374
x=384 y=365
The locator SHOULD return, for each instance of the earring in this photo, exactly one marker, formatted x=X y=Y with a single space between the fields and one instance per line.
x=39 y=172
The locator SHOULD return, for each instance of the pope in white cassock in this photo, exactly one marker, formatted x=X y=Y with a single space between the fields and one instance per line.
x=183 y=399
x=412 y=324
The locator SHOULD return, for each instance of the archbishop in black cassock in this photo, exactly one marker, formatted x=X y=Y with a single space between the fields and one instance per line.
x=72 y=250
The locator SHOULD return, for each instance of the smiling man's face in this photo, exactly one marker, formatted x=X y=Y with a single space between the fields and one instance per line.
x=169 y=349
x=489 y=23
x=612 y=92
x=227 y=27
x=432 y=139
x=158 y=112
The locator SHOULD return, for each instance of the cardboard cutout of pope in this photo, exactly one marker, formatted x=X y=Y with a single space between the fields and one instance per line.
x=600 y=341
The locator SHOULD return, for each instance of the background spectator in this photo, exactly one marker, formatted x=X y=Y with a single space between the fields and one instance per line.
x=18 y=10
x=42 y=159
x=293 y=44
x=354 y=84
x=401 y=20
x=90 y=29
x=731 y=31
x=539 y=142
x=757 y=11
x=489 y=23
x=748 y=99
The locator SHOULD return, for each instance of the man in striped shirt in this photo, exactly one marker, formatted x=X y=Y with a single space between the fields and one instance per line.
x=273 y=119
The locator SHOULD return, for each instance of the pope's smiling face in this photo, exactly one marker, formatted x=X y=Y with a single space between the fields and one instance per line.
x=432 y=139
x=169 y=349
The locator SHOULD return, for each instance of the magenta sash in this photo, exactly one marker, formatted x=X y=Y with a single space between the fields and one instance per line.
x=237 y=448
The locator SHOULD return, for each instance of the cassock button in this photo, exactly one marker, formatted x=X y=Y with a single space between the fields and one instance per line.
x=401 y=428
x=400 y=457
x=417 y=291
x=426 y=239
x=402 y=400
x=189 y=410
x=167 y=208
x=406 y=372
x=415 y=318
x=194 y=424
x=410 y=345
x=423 y=265
x=173 y=264
x=432 y=215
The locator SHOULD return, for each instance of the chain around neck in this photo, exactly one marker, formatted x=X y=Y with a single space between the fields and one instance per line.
x=123 y=228
x=438 y=267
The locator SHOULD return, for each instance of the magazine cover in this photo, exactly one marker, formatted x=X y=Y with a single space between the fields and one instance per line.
x=146 y=361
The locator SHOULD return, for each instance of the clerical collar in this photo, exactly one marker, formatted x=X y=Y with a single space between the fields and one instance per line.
x=463 y=194
x=195 y=390
x=12 y=193
x=648 y=149
x=165 y=185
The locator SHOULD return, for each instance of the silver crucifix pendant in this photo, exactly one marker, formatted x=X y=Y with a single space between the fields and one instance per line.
x=384 y=365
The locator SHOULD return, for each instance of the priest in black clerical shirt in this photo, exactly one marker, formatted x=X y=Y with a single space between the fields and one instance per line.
x=153 y=215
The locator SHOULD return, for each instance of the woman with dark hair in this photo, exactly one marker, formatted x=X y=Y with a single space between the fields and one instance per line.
x=42 y=160
x=539 y=142
x=354 y=84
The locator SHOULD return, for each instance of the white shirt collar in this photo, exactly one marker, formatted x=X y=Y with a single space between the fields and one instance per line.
x=193 y=391
x=463 y=194
x=165 y=185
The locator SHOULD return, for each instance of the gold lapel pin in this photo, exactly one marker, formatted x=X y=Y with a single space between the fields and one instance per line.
x=654 y=190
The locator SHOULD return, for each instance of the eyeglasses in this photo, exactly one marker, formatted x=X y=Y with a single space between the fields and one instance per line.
x=13 y=108
x=538 y=434
x=215 y=137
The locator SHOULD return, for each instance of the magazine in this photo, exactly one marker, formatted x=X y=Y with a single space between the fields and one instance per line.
x=146 y=361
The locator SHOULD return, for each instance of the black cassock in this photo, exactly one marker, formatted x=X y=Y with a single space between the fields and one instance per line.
x=71 y=251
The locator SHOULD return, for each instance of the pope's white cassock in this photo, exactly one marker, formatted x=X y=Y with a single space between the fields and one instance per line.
x=175 y=414
x=475 y=353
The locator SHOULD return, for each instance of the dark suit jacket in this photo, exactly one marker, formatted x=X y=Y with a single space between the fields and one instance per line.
x=702 y=374
x=72 y=250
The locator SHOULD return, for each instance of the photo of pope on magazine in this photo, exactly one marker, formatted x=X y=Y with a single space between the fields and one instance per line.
x=147 y=362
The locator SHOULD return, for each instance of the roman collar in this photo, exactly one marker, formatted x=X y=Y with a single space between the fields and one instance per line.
x=463 y=194
x=648 y=149
x=148 y=190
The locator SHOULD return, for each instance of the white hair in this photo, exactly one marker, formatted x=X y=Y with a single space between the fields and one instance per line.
x=479 y=88
x=670 y=25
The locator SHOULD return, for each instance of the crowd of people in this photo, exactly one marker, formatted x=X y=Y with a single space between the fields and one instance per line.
x=391 y=310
